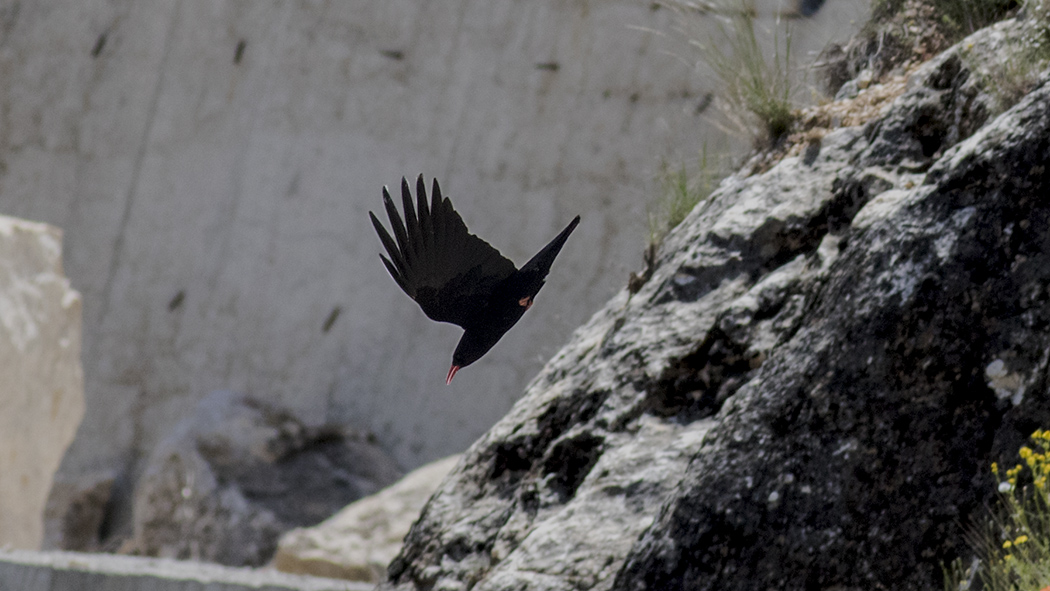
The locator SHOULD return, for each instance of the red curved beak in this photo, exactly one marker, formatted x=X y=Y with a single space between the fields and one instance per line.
x=451 y=374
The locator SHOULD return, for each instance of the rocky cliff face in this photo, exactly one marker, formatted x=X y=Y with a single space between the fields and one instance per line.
x=810 y=388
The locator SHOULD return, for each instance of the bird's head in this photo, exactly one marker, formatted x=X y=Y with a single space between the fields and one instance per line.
x=472 y=346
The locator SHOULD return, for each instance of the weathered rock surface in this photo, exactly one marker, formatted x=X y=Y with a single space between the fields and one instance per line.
x=41 y=381
x=238 y=473
x=807 y=393
x=360 y=541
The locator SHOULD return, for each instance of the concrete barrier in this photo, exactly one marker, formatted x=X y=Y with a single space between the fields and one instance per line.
x=22 y=570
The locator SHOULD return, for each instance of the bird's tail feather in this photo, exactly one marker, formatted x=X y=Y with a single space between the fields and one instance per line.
x=543 y=259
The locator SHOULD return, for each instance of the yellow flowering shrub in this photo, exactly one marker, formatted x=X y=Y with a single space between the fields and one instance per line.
x=1016 y=553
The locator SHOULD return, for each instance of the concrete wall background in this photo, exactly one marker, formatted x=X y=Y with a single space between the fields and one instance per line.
x=215 y=199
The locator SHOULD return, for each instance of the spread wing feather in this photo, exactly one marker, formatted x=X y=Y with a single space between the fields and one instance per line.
x=447 y=270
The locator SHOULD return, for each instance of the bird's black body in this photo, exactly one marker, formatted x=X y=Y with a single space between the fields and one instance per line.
x=455 y=276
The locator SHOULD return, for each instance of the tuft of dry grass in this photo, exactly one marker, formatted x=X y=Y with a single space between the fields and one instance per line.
x=757 y=86
x=681 y=190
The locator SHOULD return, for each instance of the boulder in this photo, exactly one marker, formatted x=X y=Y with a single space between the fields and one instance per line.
x=41 y=381
x=230 y=479
x=76 y=510
x=360 y=541
x=809 y=390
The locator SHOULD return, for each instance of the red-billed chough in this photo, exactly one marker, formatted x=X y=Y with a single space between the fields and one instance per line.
x=455 y=276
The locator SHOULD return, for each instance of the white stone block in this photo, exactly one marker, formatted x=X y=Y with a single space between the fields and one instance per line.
x=41 y=381
x=360 y=541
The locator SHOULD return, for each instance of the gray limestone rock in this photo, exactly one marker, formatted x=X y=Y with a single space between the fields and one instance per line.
x=808 y=391
x=230 y=479
x=858 y=453
x=359 y=542
x=76 y=511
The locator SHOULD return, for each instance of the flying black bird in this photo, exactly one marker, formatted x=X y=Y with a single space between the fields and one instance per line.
x=455 y=276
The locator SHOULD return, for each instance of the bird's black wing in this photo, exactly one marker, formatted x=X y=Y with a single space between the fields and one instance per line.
x=447 y=270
